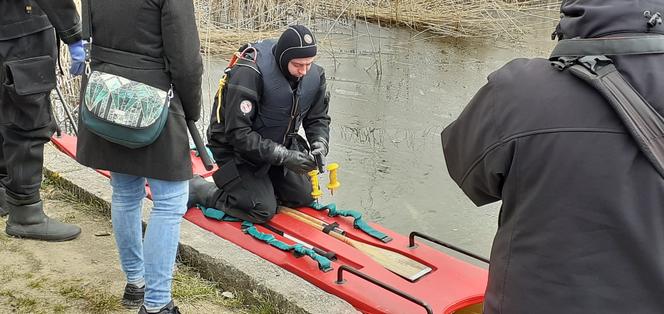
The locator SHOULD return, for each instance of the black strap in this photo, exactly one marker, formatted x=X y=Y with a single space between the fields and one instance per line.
x=330 y=227
x=642 y=121
x=226 y=174
x=609 y=46
x=58 y=45
x=126 y=59
x=86 y=20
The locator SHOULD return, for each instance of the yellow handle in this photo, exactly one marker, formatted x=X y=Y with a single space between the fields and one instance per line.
x=334 y=182
x=315 y=187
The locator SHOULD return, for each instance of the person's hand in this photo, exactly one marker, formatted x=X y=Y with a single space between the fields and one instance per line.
x=319 y=147
x=299 y=162
x=77 y=53
x=294 y=160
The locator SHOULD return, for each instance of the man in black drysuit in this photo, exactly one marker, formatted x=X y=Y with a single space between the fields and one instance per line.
x=581 y=228
x=28 y=53
x=269 y=94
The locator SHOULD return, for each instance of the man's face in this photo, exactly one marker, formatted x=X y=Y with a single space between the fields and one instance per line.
x=298 y=67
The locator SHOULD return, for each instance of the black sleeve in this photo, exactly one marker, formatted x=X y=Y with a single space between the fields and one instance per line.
x=317 y=122
x=477 y=159
x=63 y=16
x=244 y=86
x=182 y=49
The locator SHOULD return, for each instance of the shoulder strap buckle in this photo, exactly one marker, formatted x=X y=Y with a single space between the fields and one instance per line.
x=562 y=63
x=594 y=63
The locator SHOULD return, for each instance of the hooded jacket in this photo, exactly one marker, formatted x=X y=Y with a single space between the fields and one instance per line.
x=581 y=227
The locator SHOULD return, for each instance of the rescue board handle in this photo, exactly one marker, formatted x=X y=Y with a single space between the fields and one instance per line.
x=412 y=245
x=341 y=281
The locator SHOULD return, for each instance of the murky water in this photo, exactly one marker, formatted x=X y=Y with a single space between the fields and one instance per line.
x=393 y=92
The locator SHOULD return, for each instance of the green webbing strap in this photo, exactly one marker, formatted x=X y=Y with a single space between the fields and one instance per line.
x=324 y=263
x=358 y=222
x=217 y=214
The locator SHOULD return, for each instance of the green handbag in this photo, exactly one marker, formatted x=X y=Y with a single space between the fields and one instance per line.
x=118 y=109
x=124 y=111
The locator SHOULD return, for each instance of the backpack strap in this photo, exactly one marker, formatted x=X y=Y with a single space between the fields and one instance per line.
x=588 y=60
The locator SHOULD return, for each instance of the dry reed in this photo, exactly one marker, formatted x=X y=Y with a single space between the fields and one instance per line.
x=227 y=24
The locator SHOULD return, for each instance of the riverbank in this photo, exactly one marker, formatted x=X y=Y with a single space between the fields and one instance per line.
x=84 y=276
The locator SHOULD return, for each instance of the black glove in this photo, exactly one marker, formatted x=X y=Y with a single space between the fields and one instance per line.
x=319 y=147
x=294 y=160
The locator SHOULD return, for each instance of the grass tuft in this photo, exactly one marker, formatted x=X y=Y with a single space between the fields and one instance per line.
x=97 y=301
x=190 y=287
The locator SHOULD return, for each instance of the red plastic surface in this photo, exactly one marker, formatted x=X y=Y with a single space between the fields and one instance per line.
x=451 y=285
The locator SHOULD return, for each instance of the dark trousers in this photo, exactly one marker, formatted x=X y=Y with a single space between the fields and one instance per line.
x=253 y=195
x=27 y=74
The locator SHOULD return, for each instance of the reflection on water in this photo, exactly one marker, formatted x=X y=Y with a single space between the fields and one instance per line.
x=393 y=91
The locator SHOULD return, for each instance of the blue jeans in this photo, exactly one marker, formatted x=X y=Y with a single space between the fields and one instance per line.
x=150 y=260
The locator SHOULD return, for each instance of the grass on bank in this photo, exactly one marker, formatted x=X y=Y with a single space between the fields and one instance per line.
x=188 y=285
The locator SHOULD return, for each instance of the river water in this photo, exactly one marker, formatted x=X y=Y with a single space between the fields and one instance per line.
x=393 y=92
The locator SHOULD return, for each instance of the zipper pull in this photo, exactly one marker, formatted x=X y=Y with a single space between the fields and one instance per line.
x=28 y=8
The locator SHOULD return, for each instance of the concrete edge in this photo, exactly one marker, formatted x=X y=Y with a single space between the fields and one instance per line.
x=216 y=259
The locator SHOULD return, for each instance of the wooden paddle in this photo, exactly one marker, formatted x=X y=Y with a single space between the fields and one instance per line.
x=314 y=219
x=393 y=261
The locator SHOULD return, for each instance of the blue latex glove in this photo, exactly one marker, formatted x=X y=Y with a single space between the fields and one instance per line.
x=77 y=53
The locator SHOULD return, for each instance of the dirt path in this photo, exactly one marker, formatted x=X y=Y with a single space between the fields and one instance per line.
x=83 y=276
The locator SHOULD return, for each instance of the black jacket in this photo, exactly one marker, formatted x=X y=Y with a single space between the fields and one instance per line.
x=159 y=29
x=20 y=18
x=581 y=228
x=237 y=134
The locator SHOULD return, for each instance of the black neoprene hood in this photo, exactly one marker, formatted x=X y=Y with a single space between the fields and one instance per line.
x=295 y=42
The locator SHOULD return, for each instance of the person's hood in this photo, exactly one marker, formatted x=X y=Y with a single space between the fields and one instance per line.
x=297 y=41
x=599 y=18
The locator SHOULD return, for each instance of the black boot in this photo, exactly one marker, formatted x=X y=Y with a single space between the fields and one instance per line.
x=200 y=192
x=30 y=221
x=3 y=203
x=170 y=308
x=133 y=296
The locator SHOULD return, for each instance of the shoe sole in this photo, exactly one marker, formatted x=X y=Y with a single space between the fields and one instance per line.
x=132 y=305
x=41 y=237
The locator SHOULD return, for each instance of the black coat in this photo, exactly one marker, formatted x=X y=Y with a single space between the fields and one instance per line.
x=581 y=228
x=27 y=59
x=20 y=19
x=159 y=29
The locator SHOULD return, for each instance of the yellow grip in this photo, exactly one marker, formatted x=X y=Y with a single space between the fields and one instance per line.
x=315 y=187
x=334 y=182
